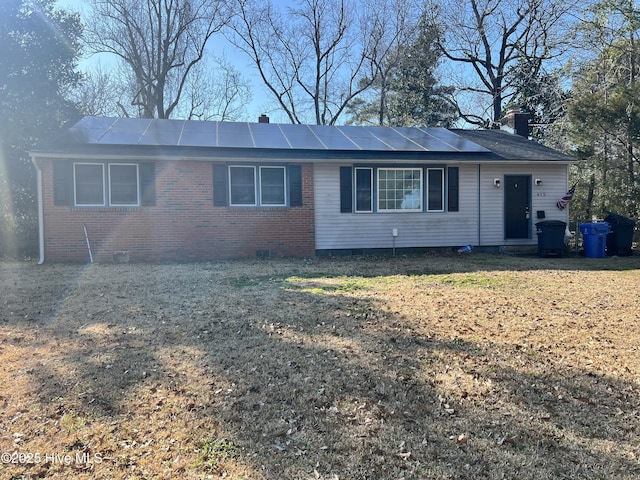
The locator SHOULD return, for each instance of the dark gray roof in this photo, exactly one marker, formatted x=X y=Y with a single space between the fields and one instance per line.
x=208 y=139
x=509 y=146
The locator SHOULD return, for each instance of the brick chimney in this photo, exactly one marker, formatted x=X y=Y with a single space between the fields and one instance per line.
x=517 y=122
x=263 y=118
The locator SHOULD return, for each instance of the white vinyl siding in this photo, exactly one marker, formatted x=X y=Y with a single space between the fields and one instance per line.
x=543 y=198
x=335 y=230
x=479 y=221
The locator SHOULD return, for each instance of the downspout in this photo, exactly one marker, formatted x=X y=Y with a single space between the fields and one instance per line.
x=40 y=210
x=479 y=207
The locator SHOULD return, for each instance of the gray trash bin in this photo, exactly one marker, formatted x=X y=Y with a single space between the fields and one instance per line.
x=550 y=237
x=621 y=237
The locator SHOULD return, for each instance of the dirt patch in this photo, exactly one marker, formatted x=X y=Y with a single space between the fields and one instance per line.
x=464 y=366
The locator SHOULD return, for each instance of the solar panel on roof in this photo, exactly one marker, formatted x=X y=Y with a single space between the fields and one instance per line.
x=394 y=139
x=363 y=138
x=233 y=128
x=270 y=141
x=268 y=135
x=426 y=140
x=454 y=141
x=199 y=134
x=200 y=126
x=198 y=139
x=467 y=146
x=301 y=137
x=210 y=134
x=127 y=131
x=162 y=132
x=94 y=123
x=90 y=129
x=333 y=138
x=232 y=134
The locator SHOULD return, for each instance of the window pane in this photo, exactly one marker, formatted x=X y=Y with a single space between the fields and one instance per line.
x=400 y=189
x=242 y=185
x=435 y=189
x=363 y=189
x=89 y=184
x=272 y=186
x=123 y=182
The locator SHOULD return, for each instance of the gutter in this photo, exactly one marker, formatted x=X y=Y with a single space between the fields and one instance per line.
x=40 y=210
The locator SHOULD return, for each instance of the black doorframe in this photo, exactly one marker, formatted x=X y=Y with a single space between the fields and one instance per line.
x=517 y=207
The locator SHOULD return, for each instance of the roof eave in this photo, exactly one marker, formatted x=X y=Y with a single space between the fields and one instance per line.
x=151 y=152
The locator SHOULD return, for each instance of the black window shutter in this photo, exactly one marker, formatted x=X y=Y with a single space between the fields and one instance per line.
x=220 y=185
x=148 y=184
x=295 y=185
x=453 y=192
x=62 y=183
x=346 y=189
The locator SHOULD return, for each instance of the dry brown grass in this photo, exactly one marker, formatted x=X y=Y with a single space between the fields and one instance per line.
x=427 y=367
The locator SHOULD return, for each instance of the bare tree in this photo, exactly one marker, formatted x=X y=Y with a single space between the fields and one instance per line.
x=216 y=91
x=97 y=93
x=315 y=57
x=160 y=41
x=489 y=39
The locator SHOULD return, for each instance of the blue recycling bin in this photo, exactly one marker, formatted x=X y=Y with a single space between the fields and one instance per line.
x=594 y=239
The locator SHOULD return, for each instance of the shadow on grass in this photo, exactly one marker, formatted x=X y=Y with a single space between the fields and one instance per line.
x=148 y=365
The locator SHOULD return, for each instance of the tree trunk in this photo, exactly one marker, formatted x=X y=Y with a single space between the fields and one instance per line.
x=590 y=195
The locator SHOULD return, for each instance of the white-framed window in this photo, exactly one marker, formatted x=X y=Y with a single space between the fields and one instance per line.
x=435 y=189
x=267 y=189
x=106 y=184
x=124 y=185
x=273 y=186
x=400 y=190
x=242 y=185
x=364 y=184
x=88 y=184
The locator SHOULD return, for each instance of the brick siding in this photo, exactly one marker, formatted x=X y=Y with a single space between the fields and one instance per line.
x=183 y=225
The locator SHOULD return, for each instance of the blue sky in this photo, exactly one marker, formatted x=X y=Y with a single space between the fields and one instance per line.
x=261 y=101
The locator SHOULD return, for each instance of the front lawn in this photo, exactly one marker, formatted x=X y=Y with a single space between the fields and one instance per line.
x=428 y=367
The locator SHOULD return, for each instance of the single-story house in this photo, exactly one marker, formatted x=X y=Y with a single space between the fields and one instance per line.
x=201 y=190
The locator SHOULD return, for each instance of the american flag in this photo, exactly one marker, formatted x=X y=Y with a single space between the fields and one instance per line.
x=564 y=201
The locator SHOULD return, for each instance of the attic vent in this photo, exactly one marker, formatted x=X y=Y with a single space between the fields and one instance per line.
x=263 y=119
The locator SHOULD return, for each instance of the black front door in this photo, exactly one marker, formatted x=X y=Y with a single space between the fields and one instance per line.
x=517 y=206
